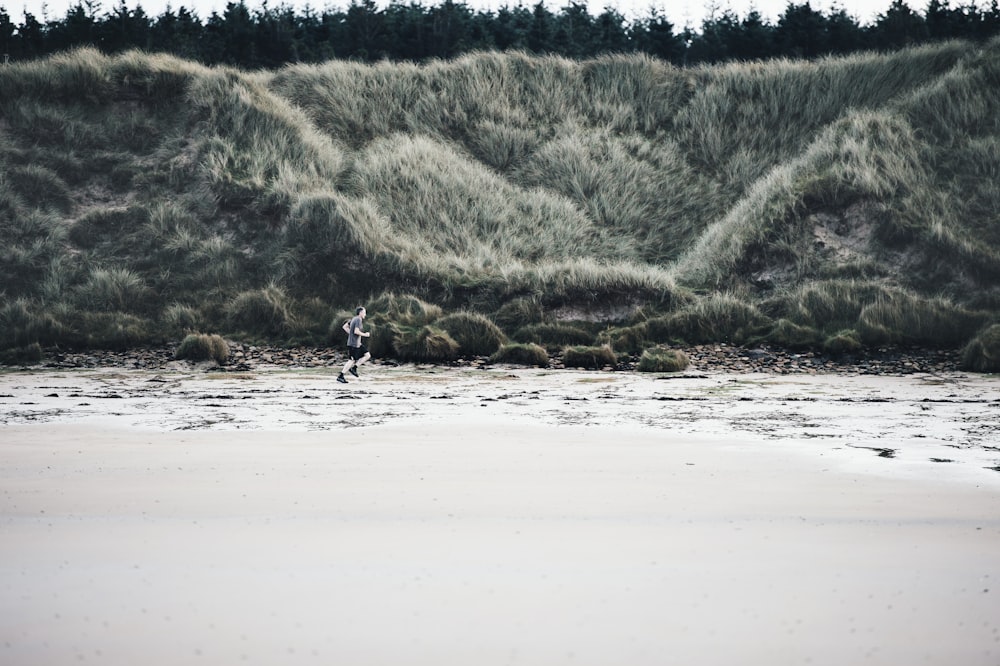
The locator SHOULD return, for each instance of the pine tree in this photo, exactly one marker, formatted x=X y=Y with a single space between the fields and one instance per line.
x=898 y=27
x=802 y=32
x=540 y=35
x=656 y=36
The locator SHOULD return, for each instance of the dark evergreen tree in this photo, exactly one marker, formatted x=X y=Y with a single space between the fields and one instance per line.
x=573 y=35
x=983 y=24
x=754 y=40
x=844 y=33
x=610 y=35
x=655 y=35
x=307 y=34
x=328 y=36
x=407 y=25
x=180 y=34
x=802 y=32
x=540 y=34
x=407 y=30
x=481 y=36
x=231 y=37
x=713 y=44
x=898 y=27
x=512 y=27
x=78 y=28
x=7 y=29
x=124 y=28
x=275 y=36
x=942 y=21
x=450 y=24
x=364 y=31
x=31 y=38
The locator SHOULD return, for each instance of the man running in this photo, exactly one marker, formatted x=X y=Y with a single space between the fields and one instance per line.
x=357 y=353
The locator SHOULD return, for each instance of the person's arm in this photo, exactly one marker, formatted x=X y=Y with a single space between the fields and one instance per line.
x=359 y=332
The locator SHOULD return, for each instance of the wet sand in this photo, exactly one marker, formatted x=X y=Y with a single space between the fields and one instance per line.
x=430 y=516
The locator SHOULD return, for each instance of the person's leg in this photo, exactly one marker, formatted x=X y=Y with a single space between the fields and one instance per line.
x=360 y=356
x=348 y=366
x=353 y=354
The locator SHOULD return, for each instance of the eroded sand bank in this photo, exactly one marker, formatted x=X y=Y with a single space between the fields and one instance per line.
x=509 y=517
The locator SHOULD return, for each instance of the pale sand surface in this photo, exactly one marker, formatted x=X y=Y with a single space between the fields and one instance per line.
x=506 y=517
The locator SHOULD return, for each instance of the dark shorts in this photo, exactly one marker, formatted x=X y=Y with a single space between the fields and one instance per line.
x=357 y=352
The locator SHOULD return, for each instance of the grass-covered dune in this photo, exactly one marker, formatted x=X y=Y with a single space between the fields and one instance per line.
x=840 y=203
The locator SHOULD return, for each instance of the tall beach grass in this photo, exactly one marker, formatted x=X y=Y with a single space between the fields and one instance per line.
x=800 y=203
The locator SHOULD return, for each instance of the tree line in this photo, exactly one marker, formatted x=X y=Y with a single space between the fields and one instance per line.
x=269 y=37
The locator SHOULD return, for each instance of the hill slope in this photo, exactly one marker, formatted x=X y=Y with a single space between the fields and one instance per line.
x=845 y=201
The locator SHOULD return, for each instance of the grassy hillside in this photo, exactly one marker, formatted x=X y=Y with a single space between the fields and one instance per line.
x=851 y=201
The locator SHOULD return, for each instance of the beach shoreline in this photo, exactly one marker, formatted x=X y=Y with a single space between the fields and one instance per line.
x=510 y=516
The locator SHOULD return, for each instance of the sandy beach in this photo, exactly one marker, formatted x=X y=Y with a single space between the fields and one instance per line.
x=509 y=516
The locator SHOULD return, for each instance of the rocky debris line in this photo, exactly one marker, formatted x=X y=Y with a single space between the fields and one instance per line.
x=704 y=358
x=242 y=358
x=884 y=361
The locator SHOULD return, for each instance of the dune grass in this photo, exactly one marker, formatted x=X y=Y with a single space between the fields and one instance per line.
x=475 y=333
x=553 y=335
x=203 y=347
x=660 y=359
x=843 y=342
x=878 y=314
x=426 y=344
x=982 y=353
x=520 y=353
x=28 y=355
x=590 y=357
x=797 y=203
x=262 y=312
x=402 y=309
x=790 y=335
x=178 y=318
x=115 y=288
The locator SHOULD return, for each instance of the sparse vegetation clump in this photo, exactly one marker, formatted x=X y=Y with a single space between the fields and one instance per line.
x=519 y=312
x=23 y=323
x=27 y=355
x=629 y=339
x=263 y=312
x=115 y=330
x=554 y=335
x=426 y=344
x=475 y=334
x=982 y=354
x=382 y=341
x=589 y=357
x=519 y=353
x=661 y=359
x=203 y=347
x=180 y=318
x=788 y=334
x=907 y=319
x=842 y=342
x=403 y=309
x=113 y=289
x=717 y=317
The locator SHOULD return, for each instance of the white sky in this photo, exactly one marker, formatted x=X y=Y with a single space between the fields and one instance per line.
x=679 y=12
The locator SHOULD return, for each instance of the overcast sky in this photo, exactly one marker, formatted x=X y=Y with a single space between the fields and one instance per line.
x=679 y=12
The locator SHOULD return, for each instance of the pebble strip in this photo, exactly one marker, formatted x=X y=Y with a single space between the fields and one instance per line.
x=719 y=358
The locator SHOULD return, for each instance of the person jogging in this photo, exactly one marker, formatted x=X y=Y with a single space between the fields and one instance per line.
x=357 y=352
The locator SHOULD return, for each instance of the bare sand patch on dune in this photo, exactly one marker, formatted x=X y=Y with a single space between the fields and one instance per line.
x=506 y=517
